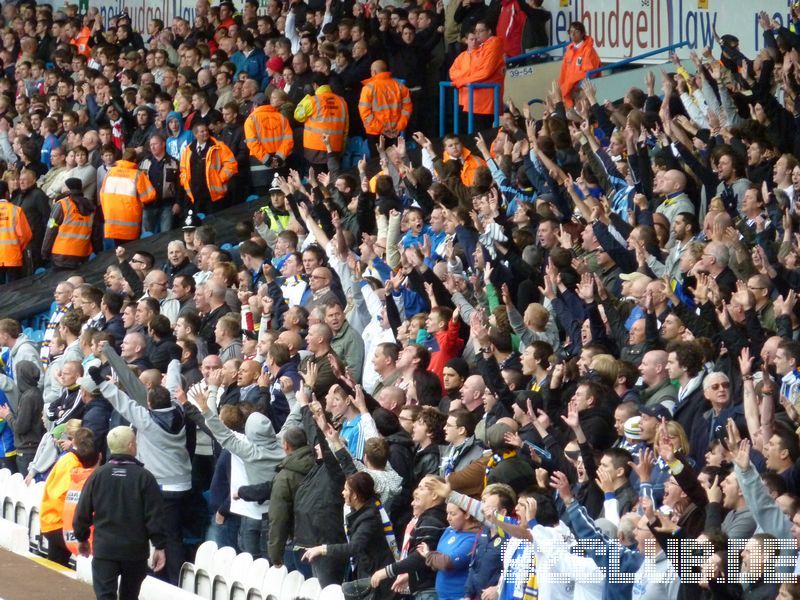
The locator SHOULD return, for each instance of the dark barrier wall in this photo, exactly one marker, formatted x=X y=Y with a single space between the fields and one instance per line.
x=30 y=296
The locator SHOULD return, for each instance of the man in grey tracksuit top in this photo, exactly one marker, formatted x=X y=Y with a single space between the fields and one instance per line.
x=254 y=459
x=161 y=436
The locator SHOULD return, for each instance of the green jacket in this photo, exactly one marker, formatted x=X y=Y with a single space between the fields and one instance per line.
x=290 y=473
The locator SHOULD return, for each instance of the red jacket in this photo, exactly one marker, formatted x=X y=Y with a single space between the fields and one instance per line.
x=450 y=346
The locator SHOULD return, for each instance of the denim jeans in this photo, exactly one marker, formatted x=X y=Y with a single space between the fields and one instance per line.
x=174 y=511
x=254 y=535
x=226 y=534
x=157 y=219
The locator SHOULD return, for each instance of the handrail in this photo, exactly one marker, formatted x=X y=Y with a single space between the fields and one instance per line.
x=470 y=111
x=535 y=52
x=443 y=87
x=627 y=61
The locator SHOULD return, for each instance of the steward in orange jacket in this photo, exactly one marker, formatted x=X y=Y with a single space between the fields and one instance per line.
x=51 y=513
x=15 y=235
x=321 y=114
x=268 y=136
x=385 y=103
x=74 y=231
x=481 y=62
x=80 y=39
x=125 y=191
x=580 y=57
x=207 y=166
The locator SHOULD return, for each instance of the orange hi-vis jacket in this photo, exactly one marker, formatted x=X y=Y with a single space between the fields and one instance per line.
x=78 y=478
x=74 y=237
x=268 y=132
x=484 y=64
x=51 y=511
x=385 y=104
x=577 y=62
x=471 y=164
x=81 y=42
x=15 y=234
x=125 y=190
x=327 y=114
x=221 y=166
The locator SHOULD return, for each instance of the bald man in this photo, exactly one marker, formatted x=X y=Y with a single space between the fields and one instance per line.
x=658 y=388
x=385 y=103
x=671 y=185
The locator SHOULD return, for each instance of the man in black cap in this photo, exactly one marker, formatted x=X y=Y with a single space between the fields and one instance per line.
x=75 y=228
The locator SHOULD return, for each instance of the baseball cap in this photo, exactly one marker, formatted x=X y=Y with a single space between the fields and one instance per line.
x=658 y=411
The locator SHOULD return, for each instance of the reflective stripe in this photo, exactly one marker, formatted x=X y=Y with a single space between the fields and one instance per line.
x=121 y=186
x=123 y=223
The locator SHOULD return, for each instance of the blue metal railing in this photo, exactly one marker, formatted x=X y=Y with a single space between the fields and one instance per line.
x=536 y=52
x=627 y=61
x=471 y=87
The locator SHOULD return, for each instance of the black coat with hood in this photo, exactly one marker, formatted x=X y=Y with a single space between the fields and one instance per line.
x=27 y=421
x=85 y=207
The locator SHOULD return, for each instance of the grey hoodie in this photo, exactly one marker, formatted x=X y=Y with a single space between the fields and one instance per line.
x=161 y=433
x=24 y=349
x=258 y=448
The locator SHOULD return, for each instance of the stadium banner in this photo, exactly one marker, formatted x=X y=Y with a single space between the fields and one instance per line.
x=142 y=11
x=625 y=28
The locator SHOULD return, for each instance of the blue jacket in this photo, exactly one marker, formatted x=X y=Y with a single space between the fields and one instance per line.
x=255 y=65
x=176 y=144
x=458 y=545
x=7 y=449
x=486 y=566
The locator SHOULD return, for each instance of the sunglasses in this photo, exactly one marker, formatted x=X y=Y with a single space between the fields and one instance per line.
x=724 y=385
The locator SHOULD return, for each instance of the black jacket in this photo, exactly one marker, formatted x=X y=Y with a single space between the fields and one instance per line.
x=97 y=417
x=430 y=526
x=123 y=502
x=319 y=494
x=116 y=328
x=514 y=471
x=367 y=543
x=163 y=351
x=187 y=267
x=426 y=462
x=207 y=325
x=36 y=206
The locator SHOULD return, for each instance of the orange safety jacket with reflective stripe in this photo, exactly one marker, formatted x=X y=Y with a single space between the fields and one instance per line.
x=268 y=132
x=329 y=115
x=15 y=234
x=81 y=42
x=385 y=103
x=78 y=479
x=51 y=509
x=484 y=64
x=125 y=189
x=221 y=165
x=74 y=237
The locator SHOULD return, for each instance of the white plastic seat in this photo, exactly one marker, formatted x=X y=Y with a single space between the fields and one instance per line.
x=203 y=558
x=254 y=580
x=332 y=592
x=155 y=589
x=4 y=474
x=219 y=572
x=237 y=576
x=13 y=488
x=13 y=537
x=310 y=589
x=291 y=585
x=273 y=581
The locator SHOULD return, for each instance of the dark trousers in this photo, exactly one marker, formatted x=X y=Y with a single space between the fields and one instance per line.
x=174 y=510
x=56 y=548
x=329 y=570
x=131 y=574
